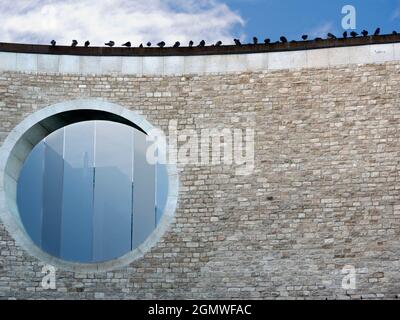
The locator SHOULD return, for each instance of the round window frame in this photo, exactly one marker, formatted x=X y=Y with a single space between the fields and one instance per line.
x=28 y=133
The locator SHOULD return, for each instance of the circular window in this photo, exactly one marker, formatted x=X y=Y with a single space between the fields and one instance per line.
x=77 y=190
x=86 y=192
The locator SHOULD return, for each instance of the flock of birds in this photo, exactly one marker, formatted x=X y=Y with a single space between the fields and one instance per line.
x=237 y=42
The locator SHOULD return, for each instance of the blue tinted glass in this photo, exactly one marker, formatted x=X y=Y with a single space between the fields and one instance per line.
x=144 y=217
x=52 y=193
x=112 y=191
x=161 y=190
x=87 y=193
x=77 y=227
x=30 y=193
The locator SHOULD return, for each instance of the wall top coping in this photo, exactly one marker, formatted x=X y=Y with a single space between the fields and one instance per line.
x=207 y=50
x=368 y=51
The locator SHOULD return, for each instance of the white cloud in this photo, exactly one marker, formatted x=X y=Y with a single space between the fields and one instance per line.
x=39 y=21
x=396 y=14
x=322 y=30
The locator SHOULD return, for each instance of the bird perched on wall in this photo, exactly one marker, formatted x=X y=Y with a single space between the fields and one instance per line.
x=283 y=39
x=141 y=45
x=354 y=34
x=87 y=43
x=218 y=44
x=237 y=42
x=191 y=43
x=255 y=40
x=110 y=44
x=177 y=44
x=364 y=33
x=161 y=44
x=53 y=43
x=148 y=44
x=267 y=40
x=331 y=36
x=304 y=37
x=395 y=32
x=202 y=44
x=377 y=32
x=127 y=44
x=345 y=35
x=74 y=43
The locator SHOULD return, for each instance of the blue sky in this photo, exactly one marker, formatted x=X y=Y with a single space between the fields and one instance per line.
x=39 y=21
x=293 y=17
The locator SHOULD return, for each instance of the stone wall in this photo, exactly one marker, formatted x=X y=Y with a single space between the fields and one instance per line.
x=324 y=192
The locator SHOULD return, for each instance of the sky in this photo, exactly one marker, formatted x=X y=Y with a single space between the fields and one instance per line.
x=138 y=21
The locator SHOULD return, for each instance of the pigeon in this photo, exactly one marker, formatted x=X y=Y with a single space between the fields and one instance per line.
x=110 y=43
x=161 y=44
x=177 y=44
x=395 y=32
x=148 y=44
x=202 y=44
x=74 y=43
x=345 y=35
x=377 y=32
x=354 y=34
x=304 y=37
x=191 y=43
x=255 y=40
x=218 y=44
x=141 y=45
x=331 y=36
x=237 y=42
x=283 y=39
x=53 y=43
x=87 y=43
x=364 y=33
x=127 y=44
x=267 y=40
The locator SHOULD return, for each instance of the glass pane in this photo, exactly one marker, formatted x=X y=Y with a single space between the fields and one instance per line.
x=77 y=227
x=144 y=220
x=52 y=192
x=113 y=191
x=161 y=190
x=30 y=193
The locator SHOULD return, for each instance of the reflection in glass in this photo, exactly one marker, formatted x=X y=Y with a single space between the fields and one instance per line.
x=143 y=192
x=87 y=194
x=77 y=202
x=113 y=206
x=30 y=193
x=52 y=193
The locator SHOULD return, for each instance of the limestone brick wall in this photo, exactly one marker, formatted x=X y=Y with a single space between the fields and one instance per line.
x=325 y=191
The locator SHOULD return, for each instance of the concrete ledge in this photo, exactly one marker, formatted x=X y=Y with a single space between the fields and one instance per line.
x=32 y=130
x=226 y=49
x=199 y=64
